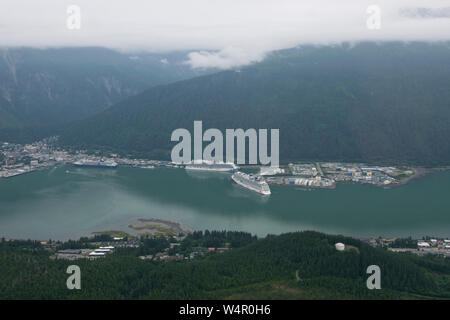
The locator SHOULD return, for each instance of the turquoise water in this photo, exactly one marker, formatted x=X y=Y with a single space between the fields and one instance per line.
x=68 y=202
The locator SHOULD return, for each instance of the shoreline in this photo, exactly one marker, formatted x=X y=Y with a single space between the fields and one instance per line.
x=113 y=233
x=419 y=173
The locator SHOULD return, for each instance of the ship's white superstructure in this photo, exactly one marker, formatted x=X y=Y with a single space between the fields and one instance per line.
x=207 y=165
x=253 y=182
x=97 y=163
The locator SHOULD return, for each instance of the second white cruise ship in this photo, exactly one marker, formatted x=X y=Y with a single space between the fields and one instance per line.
x=96 y=163
x=207 y=165
x=252 y=182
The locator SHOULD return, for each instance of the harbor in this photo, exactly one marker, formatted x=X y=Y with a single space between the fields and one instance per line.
x=43 y=193
x=16 y=159
x=49 y=203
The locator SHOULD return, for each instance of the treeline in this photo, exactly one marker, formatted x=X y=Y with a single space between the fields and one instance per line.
x=84 y=242
x=23 y=244
x=191 y=243
x=148 y=246
x=404 y=243
x=233 y=239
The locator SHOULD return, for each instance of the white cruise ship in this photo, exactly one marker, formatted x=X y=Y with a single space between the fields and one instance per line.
x=207 y=165
x=94 y=163
x=252 y=182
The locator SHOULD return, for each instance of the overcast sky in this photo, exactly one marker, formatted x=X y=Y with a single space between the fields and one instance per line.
x=240 y=31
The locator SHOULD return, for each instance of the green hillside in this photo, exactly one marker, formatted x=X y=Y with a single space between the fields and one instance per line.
x=44 y=90
x=302 y=265
x=369 y=102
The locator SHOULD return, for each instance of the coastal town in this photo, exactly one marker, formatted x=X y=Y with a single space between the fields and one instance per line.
x=172 y=251
x=421 y=247
x=167 y=247
x=326 y=175
x=156 y=240
x=17 y=159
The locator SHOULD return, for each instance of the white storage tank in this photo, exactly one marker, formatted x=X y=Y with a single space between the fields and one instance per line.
x=340 y=246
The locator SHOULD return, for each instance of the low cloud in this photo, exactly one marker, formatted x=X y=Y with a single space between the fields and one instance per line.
x=229 y=57
x=230 y=33
x=428 y=13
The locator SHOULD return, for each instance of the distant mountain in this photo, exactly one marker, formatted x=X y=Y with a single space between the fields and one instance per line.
x=41 y=90
x=368 y=102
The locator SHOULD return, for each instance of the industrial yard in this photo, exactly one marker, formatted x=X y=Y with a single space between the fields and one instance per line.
x=328 y=174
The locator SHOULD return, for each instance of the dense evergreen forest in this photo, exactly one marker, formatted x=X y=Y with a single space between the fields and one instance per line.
x=302 y=265
x=386 y=102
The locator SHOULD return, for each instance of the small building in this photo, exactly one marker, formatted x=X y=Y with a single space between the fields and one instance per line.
x=96 y=254
x=423 y=244
x=147 y=257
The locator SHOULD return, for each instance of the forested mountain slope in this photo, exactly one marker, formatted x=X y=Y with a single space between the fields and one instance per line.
x=368 y=102
x=42 y=89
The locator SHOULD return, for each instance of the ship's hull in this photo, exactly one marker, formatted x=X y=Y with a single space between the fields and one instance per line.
x=94 y=166
x=11 y=175
x=212 y=169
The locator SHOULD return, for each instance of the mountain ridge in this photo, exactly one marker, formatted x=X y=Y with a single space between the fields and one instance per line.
x=366 y=102
x=42 y=90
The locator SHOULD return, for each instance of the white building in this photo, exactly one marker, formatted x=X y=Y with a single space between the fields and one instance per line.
x=423 y=245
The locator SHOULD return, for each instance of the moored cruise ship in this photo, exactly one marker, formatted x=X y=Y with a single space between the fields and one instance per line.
x=252 y=182
x=207 y=165
x=101 y=163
